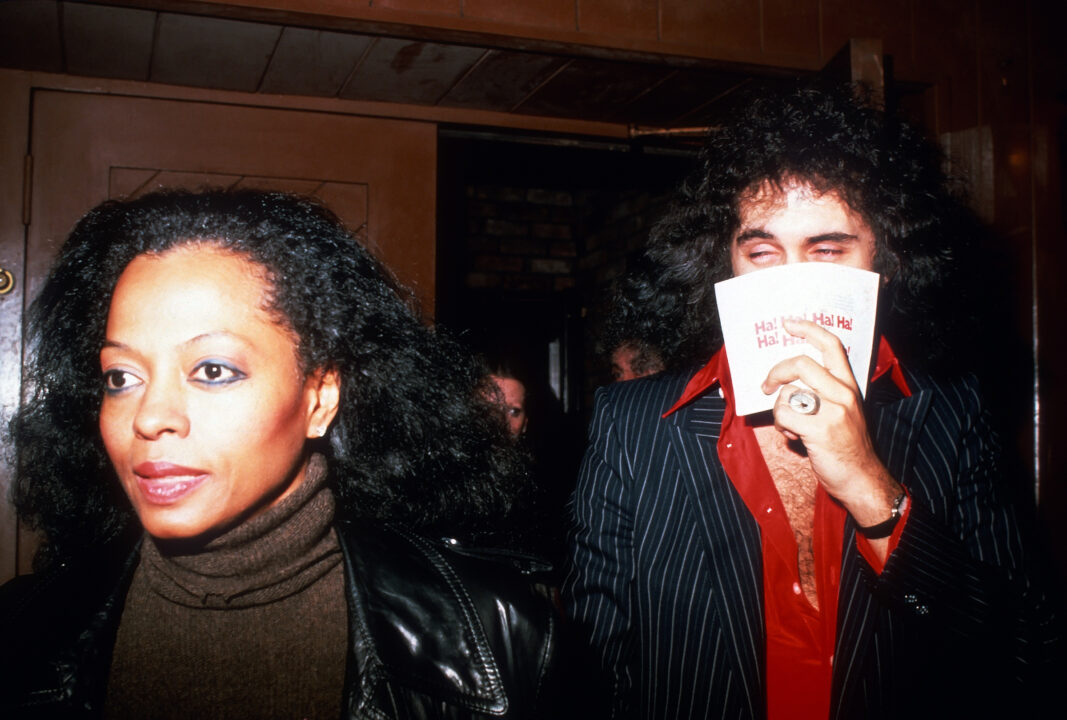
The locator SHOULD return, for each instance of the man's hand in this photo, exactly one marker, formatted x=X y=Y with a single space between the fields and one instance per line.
x=836 y=439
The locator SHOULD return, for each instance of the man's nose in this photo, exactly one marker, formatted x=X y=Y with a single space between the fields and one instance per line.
x=162 y=410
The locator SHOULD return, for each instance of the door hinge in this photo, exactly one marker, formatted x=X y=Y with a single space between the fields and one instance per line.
x=27 y=188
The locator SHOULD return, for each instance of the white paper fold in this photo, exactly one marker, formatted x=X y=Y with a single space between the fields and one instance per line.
x=842 y=299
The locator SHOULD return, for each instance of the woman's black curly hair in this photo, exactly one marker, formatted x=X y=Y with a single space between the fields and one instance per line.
x=832 y=139
x=415 y=439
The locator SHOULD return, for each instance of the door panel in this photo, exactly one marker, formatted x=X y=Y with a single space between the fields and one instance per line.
x=380 y=173
x=348 y=200
x=377 y=175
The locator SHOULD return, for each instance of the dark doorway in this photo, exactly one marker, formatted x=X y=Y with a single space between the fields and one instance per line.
x=531 y=232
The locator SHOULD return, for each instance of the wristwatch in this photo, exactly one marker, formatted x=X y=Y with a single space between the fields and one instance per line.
x=885 y=528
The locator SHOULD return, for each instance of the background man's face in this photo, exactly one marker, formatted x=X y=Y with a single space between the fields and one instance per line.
x=514 y=396
x=797 y=224
x=626 y=363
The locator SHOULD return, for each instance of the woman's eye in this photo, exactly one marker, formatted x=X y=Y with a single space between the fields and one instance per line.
x=116 y=381
x=216 y=373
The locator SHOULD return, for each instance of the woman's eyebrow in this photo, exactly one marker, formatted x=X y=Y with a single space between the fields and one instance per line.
x=214 y=335
x=225 y=334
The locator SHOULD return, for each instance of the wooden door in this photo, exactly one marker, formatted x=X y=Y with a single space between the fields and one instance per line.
x=376 y=174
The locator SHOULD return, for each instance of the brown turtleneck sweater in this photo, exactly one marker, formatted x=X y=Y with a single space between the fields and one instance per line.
x=252 y=625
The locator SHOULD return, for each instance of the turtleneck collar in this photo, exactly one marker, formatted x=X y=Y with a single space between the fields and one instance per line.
x=271 y=556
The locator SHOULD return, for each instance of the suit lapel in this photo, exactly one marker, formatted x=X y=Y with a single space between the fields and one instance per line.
x=895 y=428
x=731 y=537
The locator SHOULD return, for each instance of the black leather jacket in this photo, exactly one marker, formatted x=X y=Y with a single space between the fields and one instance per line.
x=487 y=640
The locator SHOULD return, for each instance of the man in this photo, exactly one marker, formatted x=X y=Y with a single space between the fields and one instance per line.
x=632 y=359
x=512 y=400
x=861 y=560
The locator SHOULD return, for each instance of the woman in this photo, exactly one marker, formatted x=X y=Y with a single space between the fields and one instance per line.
x=237 y=440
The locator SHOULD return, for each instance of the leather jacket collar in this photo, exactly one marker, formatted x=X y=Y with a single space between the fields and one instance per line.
x=435 y=630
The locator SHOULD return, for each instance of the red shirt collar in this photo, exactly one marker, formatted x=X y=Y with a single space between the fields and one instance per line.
x=717 y=370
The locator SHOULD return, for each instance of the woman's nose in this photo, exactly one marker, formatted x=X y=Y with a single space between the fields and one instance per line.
x=162 y=410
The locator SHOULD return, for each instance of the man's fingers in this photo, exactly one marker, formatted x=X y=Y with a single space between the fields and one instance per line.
x=834 y=357
x=805 y=370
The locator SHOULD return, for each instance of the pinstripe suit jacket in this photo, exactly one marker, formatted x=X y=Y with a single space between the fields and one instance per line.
x=664 y=587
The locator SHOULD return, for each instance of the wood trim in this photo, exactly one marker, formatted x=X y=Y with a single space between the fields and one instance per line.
x=15 y=92
x=439 y=115
x=362 y=17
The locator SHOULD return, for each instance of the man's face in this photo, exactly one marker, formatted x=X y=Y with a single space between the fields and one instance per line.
x=797 y=224
x=514 y=396
x=624 y=364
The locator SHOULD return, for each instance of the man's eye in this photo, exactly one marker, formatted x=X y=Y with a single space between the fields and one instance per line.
x=828 y=251
x=216 y=373
x=760 y=253
x=118 y=380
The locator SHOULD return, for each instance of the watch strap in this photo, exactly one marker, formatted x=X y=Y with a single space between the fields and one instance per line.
x=885 y=528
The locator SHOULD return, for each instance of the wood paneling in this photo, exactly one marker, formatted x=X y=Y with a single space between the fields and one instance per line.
x=14 y=119
x=403 y=71
x=946 y=53
x=1050 y=231
x=501 y=80
x=726 y=24
x=441 y=7
x=497 y=72
x=313 y=62
x=1005 y=104
x=661 y=105
x=620 y=18
x=208 y=52
x=791 y=29
x=890 y=21
x=80 y=139
x=557 y=14
x=108 y=41
x=29 y=35
x=583 y=86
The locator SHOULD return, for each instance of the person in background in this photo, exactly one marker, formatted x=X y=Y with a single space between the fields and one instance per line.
x=633 y=359
x=243 y=451
x=625 y=335
x=511 y=398
x=853 y=558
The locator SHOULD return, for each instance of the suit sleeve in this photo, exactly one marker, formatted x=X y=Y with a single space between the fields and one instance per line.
x=598 y=586
x=964 y=561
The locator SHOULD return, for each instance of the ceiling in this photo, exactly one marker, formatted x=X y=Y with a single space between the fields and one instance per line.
x=259 y=57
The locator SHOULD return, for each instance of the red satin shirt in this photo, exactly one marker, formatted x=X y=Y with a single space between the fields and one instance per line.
x=800 y=639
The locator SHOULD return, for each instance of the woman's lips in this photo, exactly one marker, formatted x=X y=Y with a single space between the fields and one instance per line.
x=163 y=483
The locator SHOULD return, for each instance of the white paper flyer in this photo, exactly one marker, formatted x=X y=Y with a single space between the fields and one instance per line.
x=842 y=299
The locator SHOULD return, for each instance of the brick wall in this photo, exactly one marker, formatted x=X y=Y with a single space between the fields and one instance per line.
x=542 y=240
x=536 y=242
x=521 y=239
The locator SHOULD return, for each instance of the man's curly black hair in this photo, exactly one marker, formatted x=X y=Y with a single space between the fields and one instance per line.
x=415 y=440
x=834 y=140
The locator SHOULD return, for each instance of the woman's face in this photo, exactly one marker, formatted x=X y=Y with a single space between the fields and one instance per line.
x=206 y=412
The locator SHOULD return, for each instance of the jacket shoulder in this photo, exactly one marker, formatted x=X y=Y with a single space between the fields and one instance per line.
x=58 y=629
x=651 y=396
x=436 y=622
